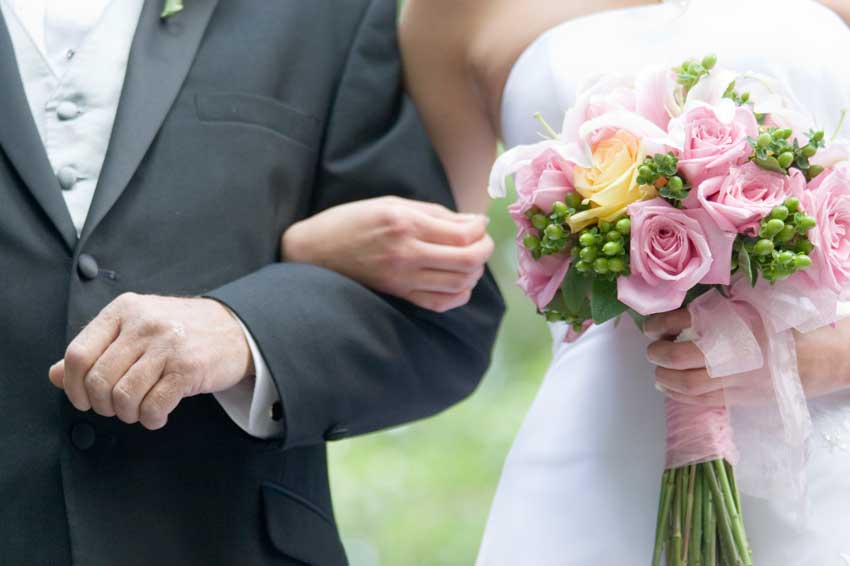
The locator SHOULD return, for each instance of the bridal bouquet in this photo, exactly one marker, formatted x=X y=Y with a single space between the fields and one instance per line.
x=702 y=187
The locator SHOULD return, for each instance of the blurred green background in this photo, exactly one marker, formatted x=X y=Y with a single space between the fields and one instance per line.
x=419 y=495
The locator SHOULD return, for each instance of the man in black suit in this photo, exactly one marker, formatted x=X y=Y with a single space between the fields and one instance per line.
x=237 y=118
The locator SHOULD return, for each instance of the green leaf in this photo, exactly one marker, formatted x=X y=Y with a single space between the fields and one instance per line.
x=575 y=289
x=747 y=266
x=638 y=318
x=771 y=164
x=604 y=304
x=171 y=7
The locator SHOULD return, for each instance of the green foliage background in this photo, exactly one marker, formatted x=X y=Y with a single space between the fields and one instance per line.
x=419 y=495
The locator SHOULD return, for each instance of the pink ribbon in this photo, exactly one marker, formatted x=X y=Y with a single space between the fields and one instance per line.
x=748 y=338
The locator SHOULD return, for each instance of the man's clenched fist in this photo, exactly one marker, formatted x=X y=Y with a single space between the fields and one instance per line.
x=143 y=354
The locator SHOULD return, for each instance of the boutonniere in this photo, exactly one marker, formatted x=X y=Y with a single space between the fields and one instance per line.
x=171 y=7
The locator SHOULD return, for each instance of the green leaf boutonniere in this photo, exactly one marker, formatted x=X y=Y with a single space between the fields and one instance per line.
x=171 y=7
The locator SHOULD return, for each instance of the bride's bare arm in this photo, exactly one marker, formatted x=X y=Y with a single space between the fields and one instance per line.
x=840 y=7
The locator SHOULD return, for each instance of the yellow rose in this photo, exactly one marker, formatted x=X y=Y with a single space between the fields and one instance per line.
x=611 y=184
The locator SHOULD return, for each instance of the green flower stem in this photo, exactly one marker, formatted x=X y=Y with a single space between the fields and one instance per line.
x=732 y=504
x=689 y=509
x=663 y=526
x=678 y=517
x=709 y=555
x=730 y=473
x=695 y=541
x=724 y=519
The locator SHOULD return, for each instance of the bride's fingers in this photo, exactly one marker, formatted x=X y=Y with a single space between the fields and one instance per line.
x=438 y=302
x=449 y=232
x=675 y=355
x=693 y=382
x=669 y=324
x=451 y=282
x=468 y=259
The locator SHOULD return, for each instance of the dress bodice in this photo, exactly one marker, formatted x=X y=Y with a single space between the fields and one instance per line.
x=799 y=42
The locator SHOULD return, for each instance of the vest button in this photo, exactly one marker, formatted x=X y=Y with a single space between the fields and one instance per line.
x=68 y=177
x=67 y=110
x=87 y=267
x=83 y=436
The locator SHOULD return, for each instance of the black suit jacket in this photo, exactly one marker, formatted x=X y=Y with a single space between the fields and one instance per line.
x=237 y=119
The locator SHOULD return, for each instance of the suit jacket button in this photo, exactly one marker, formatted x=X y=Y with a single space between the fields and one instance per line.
x=87 y=267
x=82 y=436
x=68 y=177
x=67 y=110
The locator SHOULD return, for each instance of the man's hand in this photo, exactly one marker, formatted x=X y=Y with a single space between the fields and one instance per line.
x=143 y=354
x=823 y=361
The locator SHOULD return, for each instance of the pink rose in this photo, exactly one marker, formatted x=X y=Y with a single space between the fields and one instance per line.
x=545 y=180
x=712 y=148
x=829 y=203
x=672 y=251
x=540 y=279
x=655 y=96
x=739 y=201
x=604 y=94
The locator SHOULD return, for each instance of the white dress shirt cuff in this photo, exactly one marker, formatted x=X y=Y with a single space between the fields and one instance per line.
x=249 y=403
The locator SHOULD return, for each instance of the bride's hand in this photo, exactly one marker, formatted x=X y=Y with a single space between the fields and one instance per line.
x=420 y=252
x=823 y=360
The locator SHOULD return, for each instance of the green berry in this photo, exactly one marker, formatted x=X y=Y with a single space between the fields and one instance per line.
x=624 y=226
x=780 y=212
x=645 y=172
x=559 y=209
x=573 y=200
x=614 y=236
x=531 y=243
x=604 y=226
x=786 y=257
x=587 y=240
x=764 y=140
x=588 y=254
x=709 y=61
x=783 y=134
x=600 y=266
x=539 y=221
x=764 y=247
x=554 y=232
x=583 y=266
x=787 y=234
x=786 y=159
x=809 y=151
x=818 y=136
x=676 y=184
x=805 y=247
x=802 y=261
x=806 y=223
x=575 y=252
x=814 y=171
x=612 y=248
x=616 y=265
x=793 y=204
x=773 y=227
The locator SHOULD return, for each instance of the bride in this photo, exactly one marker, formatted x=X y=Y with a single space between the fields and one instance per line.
x=580 y=485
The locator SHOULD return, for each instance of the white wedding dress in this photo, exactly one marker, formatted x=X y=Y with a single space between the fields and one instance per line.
x=580 y=486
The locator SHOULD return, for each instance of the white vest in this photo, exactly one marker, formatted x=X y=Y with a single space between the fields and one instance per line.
x=74 y=99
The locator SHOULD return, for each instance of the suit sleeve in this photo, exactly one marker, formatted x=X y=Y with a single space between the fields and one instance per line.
x=345 y=360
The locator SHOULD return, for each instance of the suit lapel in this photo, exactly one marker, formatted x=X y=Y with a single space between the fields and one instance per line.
x=22 y=144
x=160 y=58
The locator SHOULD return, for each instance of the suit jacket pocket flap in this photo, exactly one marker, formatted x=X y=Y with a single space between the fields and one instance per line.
x=260 y=111
x=300 y=529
